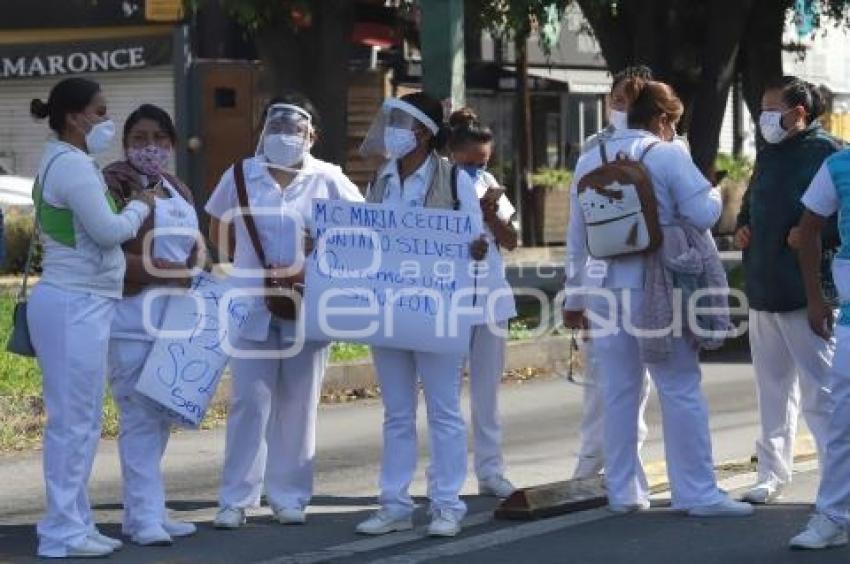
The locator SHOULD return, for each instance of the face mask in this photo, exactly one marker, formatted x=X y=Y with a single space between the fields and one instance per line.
x=619 y=120
x=100 y=137
x=474 y=171
x=151 y=160
x=771 y=126
x=399 y=141
x=285 y=150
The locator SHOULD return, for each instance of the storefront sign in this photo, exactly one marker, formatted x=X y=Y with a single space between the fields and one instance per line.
x=56 y=59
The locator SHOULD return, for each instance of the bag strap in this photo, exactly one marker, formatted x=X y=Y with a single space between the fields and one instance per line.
x=648 y=149
x=36 y=226
x=247 y=217
x=603 y=152
x=455 y=200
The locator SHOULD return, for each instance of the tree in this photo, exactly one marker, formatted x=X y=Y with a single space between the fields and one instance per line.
x=304 y=45
x=700 y=47
x=515 y=20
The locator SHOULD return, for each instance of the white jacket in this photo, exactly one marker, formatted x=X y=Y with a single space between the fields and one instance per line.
x=95 y=264
x=683 y=195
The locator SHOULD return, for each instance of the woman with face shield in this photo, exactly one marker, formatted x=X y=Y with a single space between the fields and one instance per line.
x=259 y=213
x=607 y=295
x=791 y=363
x=149 y=139
x=408 y=132
x=73 y=305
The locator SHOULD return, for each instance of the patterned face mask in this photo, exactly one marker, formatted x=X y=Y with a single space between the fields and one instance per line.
x=151 y=160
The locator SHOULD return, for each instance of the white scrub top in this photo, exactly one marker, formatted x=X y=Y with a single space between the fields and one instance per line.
x=682 y=193
x=501 y=305
x=316 y=179
x=173 y=212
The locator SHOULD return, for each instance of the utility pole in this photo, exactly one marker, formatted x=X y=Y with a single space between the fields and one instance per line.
x=442 y=50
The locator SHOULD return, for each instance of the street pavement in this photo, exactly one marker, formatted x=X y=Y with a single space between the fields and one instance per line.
x=541 y=437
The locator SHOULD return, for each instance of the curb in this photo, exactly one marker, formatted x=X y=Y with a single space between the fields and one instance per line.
x=544 y=354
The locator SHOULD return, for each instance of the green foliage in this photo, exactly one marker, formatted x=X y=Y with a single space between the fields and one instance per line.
x=552 y=178
x=518 y=18
x=18 y=232
x=738 y=169
x=254 y=15
x=518 y=330
x=348 y=352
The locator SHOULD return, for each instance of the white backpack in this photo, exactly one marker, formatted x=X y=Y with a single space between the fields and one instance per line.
x=620 y=211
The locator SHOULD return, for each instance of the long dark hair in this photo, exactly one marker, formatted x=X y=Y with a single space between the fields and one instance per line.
x=432 y=108
x=155 y=114
x=797 y=92
x=467 y=128
x=69 y=96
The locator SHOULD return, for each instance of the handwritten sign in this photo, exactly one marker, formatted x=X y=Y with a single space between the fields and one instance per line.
x=392 y=277
x=186 y=361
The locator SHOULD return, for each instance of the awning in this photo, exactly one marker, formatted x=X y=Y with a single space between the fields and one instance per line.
x=579 y=81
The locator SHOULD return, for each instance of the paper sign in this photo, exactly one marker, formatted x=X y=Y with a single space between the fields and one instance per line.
x=392 y=277
x=185 y=364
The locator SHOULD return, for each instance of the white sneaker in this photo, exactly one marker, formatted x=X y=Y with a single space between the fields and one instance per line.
x=179 y=528
x=383 y=522
x=726 y=508
x=289 y=516
x=112 y=543
x=155 y=535
x=443 y=524
x=496 y=486
x=229 y=518
x=762 y=493
x=629 y=508
x=820 y=533
x=588 y=467
x=88 y=548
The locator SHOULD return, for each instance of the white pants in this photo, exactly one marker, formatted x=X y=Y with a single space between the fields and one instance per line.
x=142 y=438
x=271 y=426
x=70 y=332
x=834 y=494
x=788 y=358
x=687 y=443
x=486 y=366
x=398 y=374
x=591 y=456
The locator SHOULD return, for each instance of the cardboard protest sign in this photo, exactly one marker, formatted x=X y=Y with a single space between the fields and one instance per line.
x=187 y=359
x=391 y=277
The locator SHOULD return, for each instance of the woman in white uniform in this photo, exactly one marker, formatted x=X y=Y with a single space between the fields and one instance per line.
x=409 y=131
x=149 y=138
x=471 y=144
x=591 y=454
x=72 y=307
x=683 y=195
x=271 y=426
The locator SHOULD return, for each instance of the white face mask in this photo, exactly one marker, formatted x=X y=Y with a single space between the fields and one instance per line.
x=619 y=120
x=285 y=150
x=399 y=141
x=770 y=123
x=100 y=137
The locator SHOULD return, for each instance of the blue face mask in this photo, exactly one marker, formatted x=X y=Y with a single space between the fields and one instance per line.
x=474 y=171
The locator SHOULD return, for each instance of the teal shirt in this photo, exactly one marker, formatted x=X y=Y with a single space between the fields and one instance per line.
x=771 y=207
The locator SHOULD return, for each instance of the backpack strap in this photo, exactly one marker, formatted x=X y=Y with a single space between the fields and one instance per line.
x=648 y=149
x=247 y=217
x=603 y=152
x=455 y=199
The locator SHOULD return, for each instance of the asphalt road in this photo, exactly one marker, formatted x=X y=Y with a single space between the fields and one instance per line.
x=541 y=437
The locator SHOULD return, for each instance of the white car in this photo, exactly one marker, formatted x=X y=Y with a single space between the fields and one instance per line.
x=15 y=192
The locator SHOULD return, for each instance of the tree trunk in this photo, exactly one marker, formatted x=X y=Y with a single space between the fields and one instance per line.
x=524 y=156
x=323 y=76
x=761 y=54
x=725 y=28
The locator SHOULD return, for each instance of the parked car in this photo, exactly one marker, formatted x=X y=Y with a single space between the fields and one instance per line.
x=16 y=192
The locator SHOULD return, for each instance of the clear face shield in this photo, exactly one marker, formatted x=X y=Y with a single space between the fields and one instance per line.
x=286 y=138
x=392 y=133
